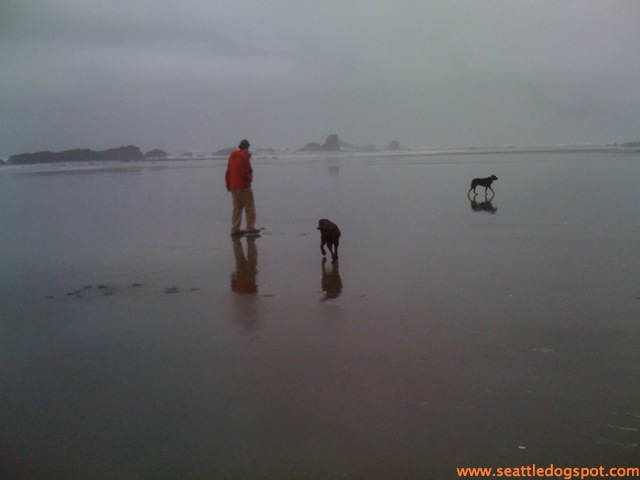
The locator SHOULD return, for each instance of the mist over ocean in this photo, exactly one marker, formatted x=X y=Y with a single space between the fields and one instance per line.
x=495 y=330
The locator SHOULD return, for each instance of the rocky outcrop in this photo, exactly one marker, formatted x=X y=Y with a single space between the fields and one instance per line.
x=331 y=144
x=223 y=152
x=394 y=146
x=127 y=153
x=156 y=153
x=311 y=147
x=334 y=144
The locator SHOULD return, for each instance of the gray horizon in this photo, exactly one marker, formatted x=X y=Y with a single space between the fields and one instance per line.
x=199 y=76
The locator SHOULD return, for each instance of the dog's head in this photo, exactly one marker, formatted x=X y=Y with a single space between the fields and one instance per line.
x=493 y=177
x=324 y=224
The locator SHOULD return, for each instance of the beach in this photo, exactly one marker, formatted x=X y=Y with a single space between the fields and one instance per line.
x=139 y=341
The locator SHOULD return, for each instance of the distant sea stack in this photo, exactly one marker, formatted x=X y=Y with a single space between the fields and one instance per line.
x=331 y=144
x=127 y=153
x=334 y=144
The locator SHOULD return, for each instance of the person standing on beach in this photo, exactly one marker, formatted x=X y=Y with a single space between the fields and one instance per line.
x=238 y=178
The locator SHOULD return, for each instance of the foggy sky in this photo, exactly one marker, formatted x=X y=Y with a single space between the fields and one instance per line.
x=202 y=74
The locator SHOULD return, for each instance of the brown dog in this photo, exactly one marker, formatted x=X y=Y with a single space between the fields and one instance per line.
x=329 y=236
x=482 y=182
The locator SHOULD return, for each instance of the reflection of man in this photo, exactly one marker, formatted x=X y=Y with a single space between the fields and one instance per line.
x=243 y=280
x=331 y=281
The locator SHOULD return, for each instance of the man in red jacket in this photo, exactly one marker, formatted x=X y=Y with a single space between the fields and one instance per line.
x=238 y=178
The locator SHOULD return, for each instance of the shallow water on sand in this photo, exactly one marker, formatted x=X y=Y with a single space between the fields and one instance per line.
x=451 y=333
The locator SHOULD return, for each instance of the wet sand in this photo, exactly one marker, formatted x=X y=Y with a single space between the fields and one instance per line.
x=139 y=341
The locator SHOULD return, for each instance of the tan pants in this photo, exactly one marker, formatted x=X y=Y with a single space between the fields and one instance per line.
x=243 y=200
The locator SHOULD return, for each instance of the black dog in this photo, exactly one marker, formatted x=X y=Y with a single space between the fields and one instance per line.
x=483 y=182
x=329 y=236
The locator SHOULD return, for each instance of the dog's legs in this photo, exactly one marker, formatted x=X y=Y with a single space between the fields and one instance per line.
x=322 y=243
x=488 y=188
x=334 y=255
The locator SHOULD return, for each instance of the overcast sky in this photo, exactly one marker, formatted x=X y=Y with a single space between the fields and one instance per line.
x=203 y=74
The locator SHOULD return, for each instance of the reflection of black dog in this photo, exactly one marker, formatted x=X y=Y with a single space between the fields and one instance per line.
x=329 y=236
x=485 y=206
x=483 y=182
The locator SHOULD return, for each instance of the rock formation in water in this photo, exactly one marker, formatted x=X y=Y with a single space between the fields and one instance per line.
x=223 y=152
x=334 y=144
x=311 y=147
x=331 y=144
x=127 y=153
x=393 y=146
x=156 y=153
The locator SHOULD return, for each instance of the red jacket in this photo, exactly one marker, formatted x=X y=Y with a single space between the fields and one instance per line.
x=239 y=172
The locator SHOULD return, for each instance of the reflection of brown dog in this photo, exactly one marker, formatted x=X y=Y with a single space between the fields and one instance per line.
x=329 y=236
x=331 y=281
x=482 y=182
